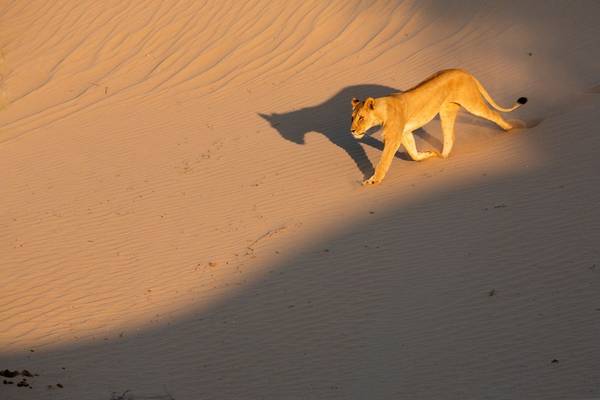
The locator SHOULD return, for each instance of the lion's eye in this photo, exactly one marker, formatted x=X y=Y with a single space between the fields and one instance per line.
x=361 y=118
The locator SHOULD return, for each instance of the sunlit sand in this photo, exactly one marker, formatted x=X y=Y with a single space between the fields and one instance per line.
x=182 y=216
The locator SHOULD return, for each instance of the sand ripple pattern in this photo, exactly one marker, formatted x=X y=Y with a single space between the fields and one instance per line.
x=179 y=193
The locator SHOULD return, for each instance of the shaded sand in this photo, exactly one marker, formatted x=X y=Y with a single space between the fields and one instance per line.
x=181 y=215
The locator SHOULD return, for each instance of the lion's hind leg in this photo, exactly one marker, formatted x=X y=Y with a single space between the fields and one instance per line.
x=448 y=113
x=478 y=107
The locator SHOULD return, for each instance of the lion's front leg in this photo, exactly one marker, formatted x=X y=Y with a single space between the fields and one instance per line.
x=391 y=145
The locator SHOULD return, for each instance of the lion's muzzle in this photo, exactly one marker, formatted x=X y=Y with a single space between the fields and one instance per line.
x=357 y=135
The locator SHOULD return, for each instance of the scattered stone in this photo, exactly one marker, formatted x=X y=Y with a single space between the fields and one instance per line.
x=23 y=383
x=500 y=206
x=530 y=54
x=8 y=373
x=492 y=292
x=12 y=374
x=554 y=361
x=212 y=264
x=117 y=396
x=60 y=385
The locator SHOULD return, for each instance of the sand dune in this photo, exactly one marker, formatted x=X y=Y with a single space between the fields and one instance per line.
x=182 y=215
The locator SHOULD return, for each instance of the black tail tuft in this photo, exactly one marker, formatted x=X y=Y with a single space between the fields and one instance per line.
x=522 y=100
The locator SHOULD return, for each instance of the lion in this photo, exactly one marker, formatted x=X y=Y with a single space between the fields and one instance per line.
x=401 y=113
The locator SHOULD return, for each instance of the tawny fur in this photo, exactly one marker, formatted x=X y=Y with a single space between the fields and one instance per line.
x=402 y=113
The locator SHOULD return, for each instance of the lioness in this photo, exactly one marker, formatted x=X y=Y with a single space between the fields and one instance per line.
x=402 y=113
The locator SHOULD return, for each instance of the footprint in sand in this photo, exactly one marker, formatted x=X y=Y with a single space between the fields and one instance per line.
x=526 y=124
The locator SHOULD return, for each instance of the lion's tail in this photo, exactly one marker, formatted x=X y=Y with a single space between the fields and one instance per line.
x=488 y=98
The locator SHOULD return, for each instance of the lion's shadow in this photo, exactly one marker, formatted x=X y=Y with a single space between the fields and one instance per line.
x=332 y=119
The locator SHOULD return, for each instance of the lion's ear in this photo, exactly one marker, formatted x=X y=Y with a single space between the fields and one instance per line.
x=355 y=102
x=370 y=102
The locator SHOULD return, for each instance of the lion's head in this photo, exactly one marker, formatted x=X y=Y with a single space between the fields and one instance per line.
x=363 y=117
